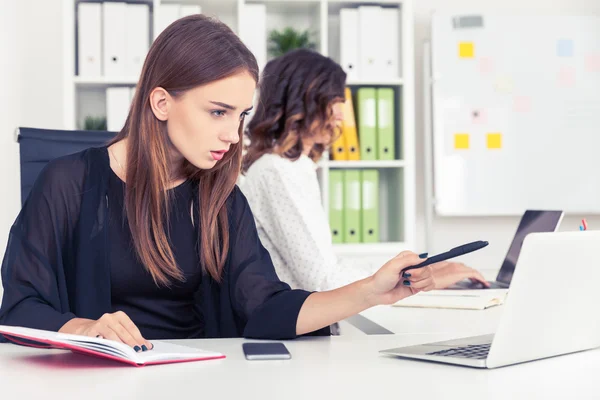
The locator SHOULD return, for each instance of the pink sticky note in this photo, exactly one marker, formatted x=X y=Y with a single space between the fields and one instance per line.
x=522 y=103
x=566 y=77
x=592 y=62
x=479 y=116
x=486 y=65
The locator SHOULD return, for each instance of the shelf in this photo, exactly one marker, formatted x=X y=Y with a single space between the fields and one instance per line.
x=386 y=249
x=367 y=164
x=102 y=81
x=375 y=82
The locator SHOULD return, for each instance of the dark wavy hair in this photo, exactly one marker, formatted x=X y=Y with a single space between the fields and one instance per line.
x=296 y=93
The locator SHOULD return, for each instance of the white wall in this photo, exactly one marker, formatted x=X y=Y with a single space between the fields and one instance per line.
x=449 y=232
x=10 y=108
x=30 y=85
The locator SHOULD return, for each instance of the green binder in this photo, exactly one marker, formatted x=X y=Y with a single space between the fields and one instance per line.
x=336 y=205
x=370 y=205
x=385 y=124
x=367 y=123
x=352 y=207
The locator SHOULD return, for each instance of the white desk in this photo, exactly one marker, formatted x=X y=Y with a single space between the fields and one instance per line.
x=400 y=320
x=321 y=368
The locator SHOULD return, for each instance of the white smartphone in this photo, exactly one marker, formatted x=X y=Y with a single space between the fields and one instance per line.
x=266 y=351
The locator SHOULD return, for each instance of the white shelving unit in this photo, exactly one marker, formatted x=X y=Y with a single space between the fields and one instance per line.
x=322 y=18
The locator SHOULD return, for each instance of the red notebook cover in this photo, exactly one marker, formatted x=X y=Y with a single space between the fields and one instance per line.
x=162 y=353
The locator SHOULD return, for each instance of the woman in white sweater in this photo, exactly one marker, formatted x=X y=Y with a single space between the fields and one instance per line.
x=300 y=106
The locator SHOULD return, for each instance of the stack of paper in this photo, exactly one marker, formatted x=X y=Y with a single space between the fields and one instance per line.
x=459 y=299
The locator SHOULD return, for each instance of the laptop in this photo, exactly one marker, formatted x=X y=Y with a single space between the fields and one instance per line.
x=531 y=221
x=551 y=309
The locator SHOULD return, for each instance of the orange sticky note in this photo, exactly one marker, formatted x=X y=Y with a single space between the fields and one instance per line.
x=466 y=50
x=494 y=140
x=461 y=141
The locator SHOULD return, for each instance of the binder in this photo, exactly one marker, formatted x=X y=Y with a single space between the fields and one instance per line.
x=189 y=9
x=117 y=107
x=138 y=38
x=370 y=205
x=89 y=39
x=352 y=148
x=386 y=129
x=167 y=14
x=339 y=151
x=367 y=123
x=131 y=94
x=389 y=53
x=114 y=27
x=370 y=45
x=336 y=205
x=352 y=206
x=349 y=38
x=253 y=31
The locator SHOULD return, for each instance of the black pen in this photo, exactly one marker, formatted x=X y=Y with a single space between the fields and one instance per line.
x=455 y=252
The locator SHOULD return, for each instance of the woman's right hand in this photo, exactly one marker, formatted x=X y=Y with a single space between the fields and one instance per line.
x=116 y=326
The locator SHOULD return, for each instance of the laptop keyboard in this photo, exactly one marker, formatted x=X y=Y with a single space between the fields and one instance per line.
x=478 y=351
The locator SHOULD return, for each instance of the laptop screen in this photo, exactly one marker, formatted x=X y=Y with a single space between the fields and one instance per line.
x=532 y=221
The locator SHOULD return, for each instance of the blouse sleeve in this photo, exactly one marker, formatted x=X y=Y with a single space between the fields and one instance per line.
x=33 y=266
x=269 y=306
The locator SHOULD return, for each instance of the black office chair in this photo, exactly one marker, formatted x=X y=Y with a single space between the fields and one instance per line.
x=38 y=146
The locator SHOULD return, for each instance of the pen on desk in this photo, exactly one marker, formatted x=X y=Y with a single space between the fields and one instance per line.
x=585 y=226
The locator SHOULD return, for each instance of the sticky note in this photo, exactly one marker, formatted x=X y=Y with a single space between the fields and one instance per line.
x=494 y=140
x=504 y=84
x=564 y=48
x=486 y=65
x=522 y=104
x=479 y=116
x=461 y=141
x=592 y=62
x=566 y=77
x=466 y=50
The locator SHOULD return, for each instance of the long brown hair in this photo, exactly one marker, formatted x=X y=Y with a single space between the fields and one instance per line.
x=192 y=51
x=297 y=91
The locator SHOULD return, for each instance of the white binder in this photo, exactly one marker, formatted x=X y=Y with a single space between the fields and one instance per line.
x=114 y=32
x=89 y=39
x=185 y=10
x=167 y=14
x=253 y=31
x=349 y=42
x=131 y=94
x=138 y=38
x=117 y=107
x=390 y=18
x=370 y=39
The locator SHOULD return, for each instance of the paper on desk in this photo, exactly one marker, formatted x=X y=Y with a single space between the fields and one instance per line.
x=458 y=299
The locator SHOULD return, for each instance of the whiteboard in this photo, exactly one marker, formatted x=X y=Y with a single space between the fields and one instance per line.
x=516 y=114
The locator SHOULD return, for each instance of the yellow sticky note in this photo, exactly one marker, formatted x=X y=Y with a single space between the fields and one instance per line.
x=461 y=141
x=494 y=140
x=466 y=50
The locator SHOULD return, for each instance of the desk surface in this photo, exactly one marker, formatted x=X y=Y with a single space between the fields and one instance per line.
x=339 y=367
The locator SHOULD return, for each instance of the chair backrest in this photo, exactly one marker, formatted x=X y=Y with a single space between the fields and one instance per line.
x=38 y=146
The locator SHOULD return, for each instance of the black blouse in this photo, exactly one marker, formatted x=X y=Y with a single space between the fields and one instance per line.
x=59 y=264
x=157 y=311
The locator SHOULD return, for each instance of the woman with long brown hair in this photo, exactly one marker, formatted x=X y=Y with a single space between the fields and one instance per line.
x=149 y=238
x=298 y=112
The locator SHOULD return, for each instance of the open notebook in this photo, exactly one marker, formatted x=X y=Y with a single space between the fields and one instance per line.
x=162 y=353
x=459 y=299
